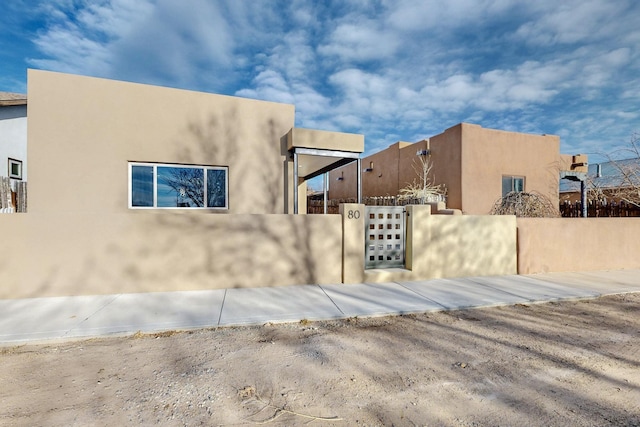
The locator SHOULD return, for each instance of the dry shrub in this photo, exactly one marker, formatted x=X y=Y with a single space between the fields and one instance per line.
x=525 y=205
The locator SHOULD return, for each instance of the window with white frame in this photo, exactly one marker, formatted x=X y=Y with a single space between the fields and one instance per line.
x=15 y=169
x=512 y=184
x=155 y=185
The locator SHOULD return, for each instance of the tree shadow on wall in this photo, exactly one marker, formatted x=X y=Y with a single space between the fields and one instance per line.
x=189 y=249
x=255 y=176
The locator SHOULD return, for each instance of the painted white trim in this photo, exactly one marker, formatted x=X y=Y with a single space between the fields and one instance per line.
x=10 y=164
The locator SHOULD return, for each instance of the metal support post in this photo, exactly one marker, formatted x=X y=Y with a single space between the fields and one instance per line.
x=295 y=182
x=325 y=182
x=359 y=179
x=583 y=197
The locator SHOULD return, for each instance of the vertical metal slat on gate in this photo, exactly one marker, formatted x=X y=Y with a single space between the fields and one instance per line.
x=384 y=236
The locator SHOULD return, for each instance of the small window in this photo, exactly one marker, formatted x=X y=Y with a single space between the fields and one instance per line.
x=178 y=186
x=15 y=169
x=512 y=184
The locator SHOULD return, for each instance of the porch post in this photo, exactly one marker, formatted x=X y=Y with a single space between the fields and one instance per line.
x=359 y=180
x=325 y=181
x=295 y=182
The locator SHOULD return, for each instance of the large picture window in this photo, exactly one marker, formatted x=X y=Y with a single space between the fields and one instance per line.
x=178 y=186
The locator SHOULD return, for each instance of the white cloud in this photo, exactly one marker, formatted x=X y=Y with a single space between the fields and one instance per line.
x=155 y=41
x=574 y=21
x=389 y=69
x=423 y=15
x=361 y=41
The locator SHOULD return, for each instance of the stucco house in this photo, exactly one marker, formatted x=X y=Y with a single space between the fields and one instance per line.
x=138 y=188
x=13 y=152
x=13 y=135
x=134 y=188
x=122 y=146
x=477 y=166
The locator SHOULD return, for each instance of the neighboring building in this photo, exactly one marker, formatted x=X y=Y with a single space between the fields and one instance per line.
x=605 y=180
x=477 y=166
x=13 y=152
x=13 y=136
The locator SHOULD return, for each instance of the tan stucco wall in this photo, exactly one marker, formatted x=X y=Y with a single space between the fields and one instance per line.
x=458 y=246
x=347 y=186
x=82 y=132
x=83 y=254
x=447 y=164
x=577 y=244
x=382 y=180
x=454 y=246
x=489 y=154
x=410 y=168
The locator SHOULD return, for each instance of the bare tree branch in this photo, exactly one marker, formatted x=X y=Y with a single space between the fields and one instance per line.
x=624 y=185
x=423 y=188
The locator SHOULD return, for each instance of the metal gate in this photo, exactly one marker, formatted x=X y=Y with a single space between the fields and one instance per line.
x=385 y=236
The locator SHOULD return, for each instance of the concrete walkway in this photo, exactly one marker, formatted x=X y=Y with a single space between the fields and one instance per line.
x=63 y=318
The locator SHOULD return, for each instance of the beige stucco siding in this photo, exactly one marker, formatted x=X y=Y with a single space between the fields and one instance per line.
x=447 y=164
x=489 y=154
x=343 y=182
x=383 y=179
x=83 y=131
x=409 y=166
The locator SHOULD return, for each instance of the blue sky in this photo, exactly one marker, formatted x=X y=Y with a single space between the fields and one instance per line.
x=389 y=69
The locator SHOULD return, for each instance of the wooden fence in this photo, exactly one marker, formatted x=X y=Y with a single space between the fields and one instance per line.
x=12 y=201
x=599 y=209
x=316 y=206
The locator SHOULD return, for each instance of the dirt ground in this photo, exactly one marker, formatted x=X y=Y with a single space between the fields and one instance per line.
x=564 y=364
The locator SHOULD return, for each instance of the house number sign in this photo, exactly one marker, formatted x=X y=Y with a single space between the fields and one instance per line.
x=353 y=214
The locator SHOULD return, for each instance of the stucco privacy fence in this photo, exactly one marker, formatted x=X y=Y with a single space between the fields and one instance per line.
x=83 y=254
x=577 y=244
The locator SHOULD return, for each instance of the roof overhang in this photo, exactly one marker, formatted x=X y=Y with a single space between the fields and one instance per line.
x=317 y=152
x=314 y=162
x=322 y=151
x=9 y=99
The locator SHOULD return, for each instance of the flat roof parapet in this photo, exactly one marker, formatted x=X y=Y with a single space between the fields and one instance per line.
x=325 y=140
